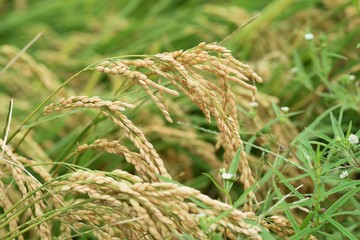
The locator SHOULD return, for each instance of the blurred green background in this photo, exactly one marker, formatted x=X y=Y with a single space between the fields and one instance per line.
x=78 y=33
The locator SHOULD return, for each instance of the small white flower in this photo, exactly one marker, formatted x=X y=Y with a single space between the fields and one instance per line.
x=309 y=36
x=344 y=174
x=285 y=109
x=227 y=176
x=253 y=104
x=352 y=77
x=353 y=139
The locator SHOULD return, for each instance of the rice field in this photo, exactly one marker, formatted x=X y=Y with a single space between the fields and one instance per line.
x=180 y=119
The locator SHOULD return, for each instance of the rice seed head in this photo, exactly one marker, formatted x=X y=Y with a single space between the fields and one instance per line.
x=181 y=68
x=86 y=102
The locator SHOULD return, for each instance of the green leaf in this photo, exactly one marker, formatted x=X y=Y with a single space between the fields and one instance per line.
x=287 y=184
x=340 y=227
x=186 y=236
x=336 y=127
x=265 y=234
x=312 y=126
x=168 y=180
x=301 y=74
x=352 y=213
x=241 y=200
x=321 y=135
x=285 y=208
x=199 y=203
x=349 y=130
x=238 y=202
x=199 y=182
x=268 y=202
x=214 y=182
x=276 y=110
x=307 y=220
x=343 y=186
x=235 y=162
x=304 y=233
x=50 y=118
x=341 y=201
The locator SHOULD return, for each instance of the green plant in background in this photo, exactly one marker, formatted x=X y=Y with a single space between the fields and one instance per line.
x=327 y=162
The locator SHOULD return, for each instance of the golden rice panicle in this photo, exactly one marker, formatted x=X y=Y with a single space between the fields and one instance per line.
x=237 y=65
x=189 y=72
x=237 y=218
x=111 y=109
x=143 y=167
x=119 y=174
x=161 y=210
x=185 y=137
x=137 y=137
x=183 y=74
x=26 y=184
x=88 y=216
x=122 y=68
x=231 y=141
x=198 y=59
x=106 y=191
x=6 y=205
x=143 y=79
x=86 y=102
x=280 y=225
x=40 y=170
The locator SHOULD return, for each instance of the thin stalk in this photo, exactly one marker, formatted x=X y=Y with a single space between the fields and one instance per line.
x=41 y=105
x=7 y=128
x=44 y=218
x=21 y=52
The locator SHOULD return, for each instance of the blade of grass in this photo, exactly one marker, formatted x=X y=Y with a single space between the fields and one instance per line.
x=343 y=186
x=312 y=126
x=305 y=233
x=285 y=207
x=7 y=126
x=241 y=200
x=287 y=184
x=21 y=52
x=49 y=118
x=341 y=201
x=235 y=162
x=340 y=227
x=336 y=125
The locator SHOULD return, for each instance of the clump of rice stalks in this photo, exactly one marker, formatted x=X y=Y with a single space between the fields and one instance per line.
x=111 y=204
x=188 y=70
x=117 y=204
